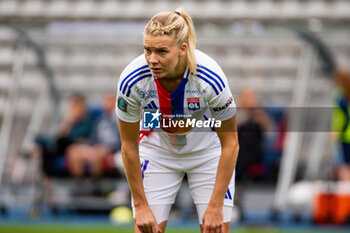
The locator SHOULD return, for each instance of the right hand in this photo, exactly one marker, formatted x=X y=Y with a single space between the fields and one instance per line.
x=145 y=220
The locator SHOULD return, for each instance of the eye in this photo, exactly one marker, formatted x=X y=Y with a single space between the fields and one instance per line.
x=162 y=51
x=147 y=50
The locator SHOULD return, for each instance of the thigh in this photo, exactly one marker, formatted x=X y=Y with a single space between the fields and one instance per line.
x=79 y=151
x=201 y=181
x=161 y=181
x=160 y=212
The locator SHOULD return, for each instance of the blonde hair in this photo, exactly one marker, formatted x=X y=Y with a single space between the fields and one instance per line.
x=179 y=25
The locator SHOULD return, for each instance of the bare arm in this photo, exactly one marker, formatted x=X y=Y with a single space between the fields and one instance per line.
x=342 y=79
x=213 y=218
x=229 y=145
x=130 y=153
x=144 y=218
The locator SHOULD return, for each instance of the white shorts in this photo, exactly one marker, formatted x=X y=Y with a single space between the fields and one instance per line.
x=162 y=178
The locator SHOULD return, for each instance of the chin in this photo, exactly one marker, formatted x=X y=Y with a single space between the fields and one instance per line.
x=159 y=76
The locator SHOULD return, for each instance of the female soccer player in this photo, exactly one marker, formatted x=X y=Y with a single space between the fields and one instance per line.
x=176 y=89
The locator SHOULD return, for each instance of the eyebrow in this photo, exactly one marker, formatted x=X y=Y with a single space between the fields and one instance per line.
x=148 y=47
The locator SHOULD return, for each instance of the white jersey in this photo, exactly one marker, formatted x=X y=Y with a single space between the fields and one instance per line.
x=204 y=95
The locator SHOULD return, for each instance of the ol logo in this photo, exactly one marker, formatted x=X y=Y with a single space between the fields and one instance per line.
x=193 y=103
x=151 y=120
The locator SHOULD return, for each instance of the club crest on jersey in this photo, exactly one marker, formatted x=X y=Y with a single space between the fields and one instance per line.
x=193 y=103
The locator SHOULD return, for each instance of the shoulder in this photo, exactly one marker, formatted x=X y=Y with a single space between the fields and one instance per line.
x=204 y=60
x=210 y=72
x=133 y=73
x=133 y=67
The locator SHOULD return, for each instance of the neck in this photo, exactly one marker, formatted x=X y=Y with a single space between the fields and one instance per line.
x=171 y=83
x=179 y=70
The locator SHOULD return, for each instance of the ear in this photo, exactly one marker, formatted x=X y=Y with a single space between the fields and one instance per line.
x=183 y=49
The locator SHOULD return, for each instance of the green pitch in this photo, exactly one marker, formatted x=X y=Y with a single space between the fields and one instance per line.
x=32 y=228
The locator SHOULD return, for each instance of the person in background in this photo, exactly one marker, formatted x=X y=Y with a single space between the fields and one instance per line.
x=96 y=156
x=252 y=123
x=76 y=127
x=341 y=124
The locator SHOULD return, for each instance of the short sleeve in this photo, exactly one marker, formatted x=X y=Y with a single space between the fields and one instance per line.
x=217 y=92
x=127 y=107
x=222 y=106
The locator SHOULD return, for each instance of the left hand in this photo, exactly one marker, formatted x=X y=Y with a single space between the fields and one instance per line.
x=213 y=220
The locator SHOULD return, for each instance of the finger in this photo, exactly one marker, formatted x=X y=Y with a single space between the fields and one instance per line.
x=221 y=228
x=158 y=230
x=216 y=228
x=205 y=229
x=155 y=228
x=149 y=229
x=143 y=229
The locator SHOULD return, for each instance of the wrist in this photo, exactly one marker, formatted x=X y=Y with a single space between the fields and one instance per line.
x=216 y=204
x=140 y=204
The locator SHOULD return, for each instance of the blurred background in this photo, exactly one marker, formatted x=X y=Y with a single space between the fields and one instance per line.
x=60 y=62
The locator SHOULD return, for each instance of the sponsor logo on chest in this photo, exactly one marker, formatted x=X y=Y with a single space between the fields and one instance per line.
x=146 y=94
x=194 y=92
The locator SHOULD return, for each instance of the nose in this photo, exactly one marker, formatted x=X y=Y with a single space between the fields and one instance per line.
x=153 y=58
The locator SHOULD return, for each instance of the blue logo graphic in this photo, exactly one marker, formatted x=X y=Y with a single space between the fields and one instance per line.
x=151 y=120
x=151 y=105
x=228 y=195
x=144 y=165
x=148 y=94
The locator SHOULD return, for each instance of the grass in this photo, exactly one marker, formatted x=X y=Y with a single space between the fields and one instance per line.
x=51 y=228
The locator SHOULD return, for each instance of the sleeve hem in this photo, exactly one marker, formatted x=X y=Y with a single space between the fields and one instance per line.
x=129 y=120
x=228 y=116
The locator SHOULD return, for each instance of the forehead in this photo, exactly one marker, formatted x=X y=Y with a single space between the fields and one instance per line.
x=158 y=41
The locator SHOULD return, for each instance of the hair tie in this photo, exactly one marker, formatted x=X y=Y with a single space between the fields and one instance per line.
x=176 y=12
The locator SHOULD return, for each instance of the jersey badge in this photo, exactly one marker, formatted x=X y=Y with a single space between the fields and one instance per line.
x=122 y=104
x=193 y=103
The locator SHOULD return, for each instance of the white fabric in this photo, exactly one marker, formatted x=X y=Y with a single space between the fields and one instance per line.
x=138 y=89
x=226 y=211
x=163 y=177
x=160 y=212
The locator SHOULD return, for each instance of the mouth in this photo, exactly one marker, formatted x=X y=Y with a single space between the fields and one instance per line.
x=156 y=70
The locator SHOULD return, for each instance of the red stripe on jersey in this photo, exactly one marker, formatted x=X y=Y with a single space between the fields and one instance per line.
x=164 y=98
